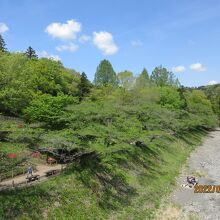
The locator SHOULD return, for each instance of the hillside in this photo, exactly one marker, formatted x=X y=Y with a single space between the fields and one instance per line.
x=140 y=130
x=213 y=94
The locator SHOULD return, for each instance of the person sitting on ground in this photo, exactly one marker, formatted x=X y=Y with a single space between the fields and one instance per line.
x=191 y=180
x=29 y=171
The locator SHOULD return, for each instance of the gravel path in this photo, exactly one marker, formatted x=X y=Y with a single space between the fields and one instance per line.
x=203 y=163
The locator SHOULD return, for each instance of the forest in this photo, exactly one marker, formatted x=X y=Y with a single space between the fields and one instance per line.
x=141 y=128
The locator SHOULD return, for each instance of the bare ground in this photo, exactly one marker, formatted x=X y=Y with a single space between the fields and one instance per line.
x=204 y=163
x=41 y=170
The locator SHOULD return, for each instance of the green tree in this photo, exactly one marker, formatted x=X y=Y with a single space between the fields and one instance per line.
x=125 y=79
x=213 y=94
x=84 y=86
x=21 y=79
x=144 y=74
x=105 y=74
x=201 y=109
x=182 y=91
x=2 y=44
x=47 y=76
x=48 y=109
x=162 y=77
x=16 y=88
x=143 y=79
x=170 y=98
x=31 y=53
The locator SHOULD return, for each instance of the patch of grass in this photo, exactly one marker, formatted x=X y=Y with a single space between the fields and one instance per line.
x=199 y=173
x=7 y=147
x=171 y=211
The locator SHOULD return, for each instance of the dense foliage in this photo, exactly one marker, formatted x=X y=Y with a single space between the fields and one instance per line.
x=162 y=77
x=141 y=128
x=23 y=79
x=31 y=53
x=213 y=94
x=84 y=87
x=2 y=44
x=105 y=74
x=126 y=79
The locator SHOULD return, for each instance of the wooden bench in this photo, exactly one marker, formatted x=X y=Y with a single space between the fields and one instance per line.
x=33 y=178
x=51 y=160
x=51 y=172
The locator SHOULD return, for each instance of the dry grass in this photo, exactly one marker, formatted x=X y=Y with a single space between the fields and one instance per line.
x=171 y=212
x=200 y=173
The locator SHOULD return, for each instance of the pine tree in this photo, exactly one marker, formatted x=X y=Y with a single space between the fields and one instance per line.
x=144 y=74
x=162 y=77
x=143 y=79
x=2 y=44
x=84 y=87
x=30 y=53
x=105 y=74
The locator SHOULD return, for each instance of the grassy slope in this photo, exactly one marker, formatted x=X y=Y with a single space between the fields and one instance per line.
x=98 y=192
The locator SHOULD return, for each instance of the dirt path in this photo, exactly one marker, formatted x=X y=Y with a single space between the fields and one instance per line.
x=204 y=163
x=41 y=170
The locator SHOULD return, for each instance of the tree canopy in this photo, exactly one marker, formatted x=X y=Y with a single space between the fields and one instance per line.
x=21 y=79
x=162 y=77
x=84 y=86
x=144 y=74
x=143 y=79
x=213 y=94
x=31 y=53
x=105 y=74
x=126 y=79
x=2 y=44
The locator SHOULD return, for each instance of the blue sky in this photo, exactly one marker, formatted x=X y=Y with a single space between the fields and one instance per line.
x=182 y=35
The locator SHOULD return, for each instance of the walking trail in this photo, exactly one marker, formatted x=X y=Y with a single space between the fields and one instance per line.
x=40 y=170
x=204 y=163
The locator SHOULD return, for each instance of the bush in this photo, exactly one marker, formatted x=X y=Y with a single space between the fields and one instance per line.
x=48 y=109
x=170 y=98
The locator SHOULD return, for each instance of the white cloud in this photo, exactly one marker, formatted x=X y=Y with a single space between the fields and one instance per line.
x=212 y=82
x=3 y=28
x=65 y=31
x=49 y=56
x=136 y=43
x=105 y=42
x=198 y=67
x=68 y=47
x=178 y=69
x=84 y=38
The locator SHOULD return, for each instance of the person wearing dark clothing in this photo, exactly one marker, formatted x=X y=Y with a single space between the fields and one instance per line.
x=30 y=171
x=191 y=180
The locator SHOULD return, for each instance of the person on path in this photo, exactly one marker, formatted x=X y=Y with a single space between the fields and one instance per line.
x=191 y=180
x=29 y=171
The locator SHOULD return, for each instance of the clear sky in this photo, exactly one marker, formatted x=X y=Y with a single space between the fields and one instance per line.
x=182 y=35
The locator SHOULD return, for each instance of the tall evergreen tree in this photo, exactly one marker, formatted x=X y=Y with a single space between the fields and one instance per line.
x=143 y=79
x=30 y=53
x=105 y=74
x=84 y=86
x=144 y=74
x=2 y=44
x=162 y=77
